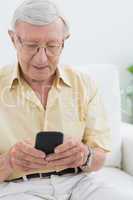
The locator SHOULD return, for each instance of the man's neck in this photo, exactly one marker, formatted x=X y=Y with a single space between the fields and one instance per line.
x=40 y=86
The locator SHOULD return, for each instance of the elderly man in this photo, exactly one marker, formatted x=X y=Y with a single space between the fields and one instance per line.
x=36 y=95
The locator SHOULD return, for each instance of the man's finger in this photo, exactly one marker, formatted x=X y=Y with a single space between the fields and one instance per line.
x=23 y=156
x=28 y=149
x=64 y=154
x=65 y=146
x=63 y=162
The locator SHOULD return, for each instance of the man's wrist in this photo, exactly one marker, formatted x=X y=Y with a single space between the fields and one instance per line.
x=88 y=162
x=87 y=156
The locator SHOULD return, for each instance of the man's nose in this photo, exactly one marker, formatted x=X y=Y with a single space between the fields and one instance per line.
x=41 y=55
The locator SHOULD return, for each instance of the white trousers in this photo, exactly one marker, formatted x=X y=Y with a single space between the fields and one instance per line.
x=67 y=187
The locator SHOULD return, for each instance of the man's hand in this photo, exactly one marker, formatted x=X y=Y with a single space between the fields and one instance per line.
x=24 y=157
x=70 y=154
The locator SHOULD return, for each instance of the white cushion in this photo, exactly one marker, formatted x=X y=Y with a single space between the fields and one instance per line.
x=127 y=147
x=117 y=178
x=107 y=78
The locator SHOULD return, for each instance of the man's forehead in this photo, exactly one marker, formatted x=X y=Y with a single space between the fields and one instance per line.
x=36 y=33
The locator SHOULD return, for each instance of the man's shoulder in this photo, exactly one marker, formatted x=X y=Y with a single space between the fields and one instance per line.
x=6 y=71
x=6 y=75
x=78 y=76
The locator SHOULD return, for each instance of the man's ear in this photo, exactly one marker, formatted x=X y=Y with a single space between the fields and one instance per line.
x=11 y=35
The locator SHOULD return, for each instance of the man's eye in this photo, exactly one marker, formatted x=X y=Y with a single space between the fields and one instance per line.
x=53 y=45
x=31 y=46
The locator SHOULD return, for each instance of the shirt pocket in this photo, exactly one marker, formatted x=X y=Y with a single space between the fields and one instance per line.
x=74 y=122
x=74 y=129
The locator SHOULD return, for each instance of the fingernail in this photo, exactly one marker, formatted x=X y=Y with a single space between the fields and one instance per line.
x=48 y=158
x=44 y=156
x=56 y=150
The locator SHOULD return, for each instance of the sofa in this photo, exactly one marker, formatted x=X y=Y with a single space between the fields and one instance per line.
x=118 y=169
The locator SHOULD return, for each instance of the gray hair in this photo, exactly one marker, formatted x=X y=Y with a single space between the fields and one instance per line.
x=39 y=12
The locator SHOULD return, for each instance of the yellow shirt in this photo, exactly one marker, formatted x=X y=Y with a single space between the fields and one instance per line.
x=73 y=107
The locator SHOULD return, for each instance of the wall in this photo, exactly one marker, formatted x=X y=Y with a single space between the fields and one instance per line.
x=101 y=32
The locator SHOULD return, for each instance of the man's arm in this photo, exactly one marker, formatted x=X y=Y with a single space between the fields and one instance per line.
x=95 y=161
x=97 y=132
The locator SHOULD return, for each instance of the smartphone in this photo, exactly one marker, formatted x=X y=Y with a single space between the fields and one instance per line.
x=46 y=141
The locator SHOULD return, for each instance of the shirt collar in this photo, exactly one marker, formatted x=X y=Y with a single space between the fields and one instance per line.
x=61 y=75
x=15 y=76
x=60 y=72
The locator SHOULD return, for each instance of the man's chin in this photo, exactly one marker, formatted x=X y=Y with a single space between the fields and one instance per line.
x=40 y=77
x=38 y=80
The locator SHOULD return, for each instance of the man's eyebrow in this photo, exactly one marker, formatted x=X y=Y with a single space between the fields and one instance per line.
x=26 y=40
x=37 y=41
x=30 y=41
x=53 y=41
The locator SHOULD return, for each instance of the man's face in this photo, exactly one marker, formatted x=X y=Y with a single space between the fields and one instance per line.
x=38 y=49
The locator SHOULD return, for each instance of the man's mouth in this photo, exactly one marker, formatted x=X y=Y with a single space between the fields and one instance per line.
x=40 y=67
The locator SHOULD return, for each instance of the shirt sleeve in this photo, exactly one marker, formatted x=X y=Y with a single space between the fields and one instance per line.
x=97 y=131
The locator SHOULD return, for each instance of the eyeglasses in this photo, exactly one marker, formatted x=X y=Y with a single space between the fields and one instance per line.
x=51 y=49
